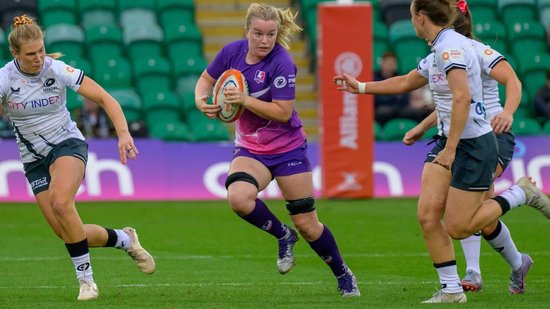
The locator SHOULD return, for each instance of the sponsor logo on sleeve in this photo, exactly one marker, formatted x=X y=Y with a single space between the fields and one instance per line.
x=280 y=82
x=488 y=52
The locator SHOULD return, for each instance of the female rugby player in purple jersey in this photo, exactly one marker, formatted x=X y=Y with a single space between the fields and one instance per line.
x=270 y=142
x=53 y=151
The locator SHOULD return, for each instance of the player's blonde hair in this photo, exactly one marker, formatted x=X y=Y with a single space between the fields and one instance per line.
x=25 y=29
x=286 y=25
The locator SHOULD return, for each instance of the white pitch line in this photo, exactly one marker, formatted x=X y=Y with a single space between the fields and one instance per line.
x=245 y=284
x=244 y=256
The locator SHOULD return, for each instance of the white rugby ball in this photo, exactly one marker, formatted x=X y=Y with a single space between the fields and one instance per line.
x=229 y=78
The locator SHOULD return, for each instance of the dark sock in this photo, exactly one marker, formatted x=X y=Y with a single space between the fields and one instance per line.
x=111 y=241
x=264 y=219
x=78 y=248
x=327 y=249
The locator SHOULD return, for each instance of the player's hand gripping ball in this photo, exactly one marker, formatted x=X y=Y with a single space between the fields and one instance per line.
x=229 y=78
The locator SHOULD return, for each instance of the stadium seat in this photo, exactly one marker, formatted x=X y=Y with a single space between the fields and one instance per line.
x=98 y=18
x=406 y=45
x=546 y=128
x=170 y=131
x=526 y=36
x=532 y=72
x=130 y=102
x=187 y=102
x=483 y=9
x=98 y=13
x=79 y=63
x=104 y=41
x=143 y=41
x=204 y=129
x=493 y=33
x=112 y=73
x=152 y=73
x=172 y=10
x=395 y=10
x=526 y=126
x=378 y=131
x=545 y=17
x=395 y=129
x=3 y=45
x=183 y=38
x=186 y=73
x=54 y=12
x=75 y=102
x=517 y=10
x=65 y=38
x=380 y=43
x=137 y=16
x=160 y=105
x=124 y=5
x=430 y=133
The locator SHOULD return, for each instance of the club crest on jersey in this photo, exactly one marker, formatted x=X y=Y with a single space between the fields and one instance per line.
x=49 y=84
x=259 y=77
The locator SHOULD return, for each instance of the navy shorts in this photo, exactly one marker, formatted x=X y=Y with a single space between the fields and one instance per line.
x=38 y=172
x=506 y=145
x=475 y=162
x=282 y=164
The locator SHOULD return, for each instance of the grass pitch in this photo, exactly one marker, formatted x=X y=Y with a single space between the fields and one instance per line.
x=208 y=258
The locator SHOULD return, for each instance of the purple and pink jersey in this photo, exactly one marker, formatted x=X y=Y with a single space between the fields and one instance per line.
x=273 y=78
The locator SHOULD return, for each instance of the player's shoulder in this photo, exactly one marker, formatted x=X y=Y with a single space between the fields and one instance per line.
x=236 y=47
x=279 y=55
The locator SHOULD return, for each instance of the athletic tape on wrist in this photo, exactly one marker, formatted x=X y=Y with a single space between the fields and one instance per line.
x=362 y=87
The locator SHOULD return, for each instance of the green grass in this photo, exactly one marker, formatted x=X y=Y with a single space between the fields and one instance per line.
x=208 y=258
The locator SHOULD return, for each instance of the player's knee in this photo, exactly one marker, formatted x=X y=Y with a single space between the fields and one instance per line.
x=457 y=231
x=300 y=206
x=241 y=176
x=241 y=200
x=61 y=205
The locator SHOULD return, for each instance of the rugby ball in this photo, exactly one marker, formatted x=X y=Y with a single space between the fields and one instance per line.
x=229 y=78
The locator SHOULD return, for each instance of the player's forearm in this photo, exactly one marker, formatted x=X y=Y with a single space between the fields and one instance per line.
x=280 y=112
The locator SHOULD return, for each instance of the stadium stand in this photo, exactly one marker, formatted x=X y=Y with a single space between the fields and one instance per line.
x=65 y=38
x=57 y=11
x=97 y=13
x=526 y=126
x=517 y=10
x=396 y=128
x=11 y=8
x=485 y=9
x=172 y=61
x=104 y=41
x=152 y=72
x=130 y=102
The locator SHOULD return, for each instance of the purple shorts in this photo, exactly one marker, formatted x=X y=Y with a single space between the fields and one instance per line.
x=282 y=164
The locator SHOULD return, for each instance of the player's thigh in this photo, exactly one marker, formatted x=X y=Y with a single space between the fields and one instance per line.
x=67 y=173
x=252 y=167
x=462 y=206
x=433 y=193
x=296 y=186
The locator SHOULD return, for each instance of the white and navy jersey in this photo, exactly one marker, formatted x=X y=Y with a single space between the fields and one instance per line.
x=450 y=51
x=488 y=59
x=36 y=106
